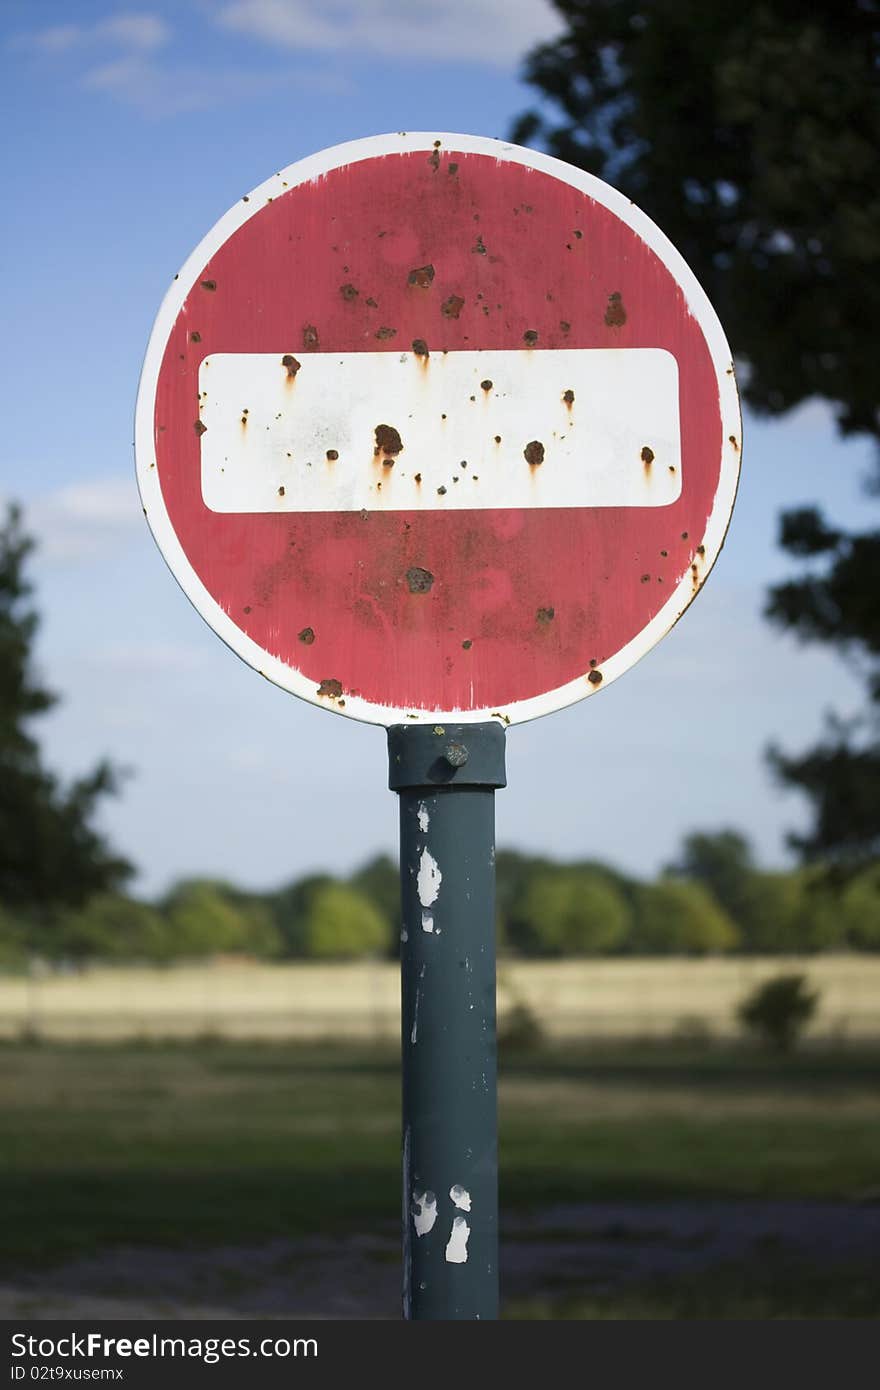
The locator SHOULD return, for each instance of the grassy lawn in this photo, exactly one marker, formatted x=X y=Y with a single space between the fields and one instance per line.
x=225 y=1143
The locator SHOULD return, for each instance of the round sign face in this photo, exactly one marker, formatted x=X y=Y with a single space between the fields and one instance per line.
x=435 y=426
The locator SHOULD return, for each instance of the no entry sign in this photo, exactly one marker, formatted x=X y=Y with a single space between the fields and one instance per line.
x=437 y=426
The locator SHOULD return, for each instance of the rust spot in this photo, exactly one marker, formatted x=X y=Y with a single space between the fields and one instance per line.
x=417 y=478
x=647 y=455
x=568 y=397
x=331 y=688
x=388 y=442
x=307 y=635
x=434 y=160
x=733 y=441
x=452 y=307
x=684 y=535
x=441 y=491
x=195 y=336
x=371 y=302
x=453 y=168
x=530 y=337
x=533 y=453
x=423 y=276
x=498 y=439
x=385 y=332
x=332 y=455
x=247 y=608
x=646 y=579
x=419 y=581
x=348 y=292
x=545 y=615
x=595 y=678
x=664 y=553
x=478 y=249
x=281 y=491
x=701 y=550
x=564 y=326
x=467 y=644
x=486 y=385
x=310 y=336
x=615 y=314
x=420 y=347
x=578 y=234
x=290 y=362
x=199 y=427
x=244 y=418
x=206 y=284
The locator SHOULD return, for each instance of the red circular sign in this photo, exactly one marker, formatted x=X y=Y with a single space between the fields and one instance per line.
x=367 y=282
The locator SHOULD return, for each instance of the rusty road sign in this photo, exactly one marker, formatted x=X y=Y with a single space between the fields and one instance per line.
x=441 y=434
x=437 y=426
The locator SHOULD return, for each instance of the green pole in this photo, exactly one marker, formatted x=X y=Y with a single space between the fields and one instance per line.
x=446 y=776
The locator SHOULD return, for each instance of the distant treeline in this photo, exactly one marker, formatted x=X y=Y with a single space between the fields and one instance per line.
x=712 y=900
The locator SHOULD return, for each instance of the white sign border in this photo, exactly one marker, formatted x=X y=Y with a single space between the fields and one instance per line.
x=353 y=152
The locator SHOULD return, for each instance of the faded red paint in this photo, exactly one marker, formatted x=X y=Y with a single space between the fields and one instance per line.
x=472 y=641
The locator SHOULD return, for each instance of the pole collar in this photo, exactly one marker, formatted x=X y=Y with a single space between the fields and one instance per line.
x=438 y=755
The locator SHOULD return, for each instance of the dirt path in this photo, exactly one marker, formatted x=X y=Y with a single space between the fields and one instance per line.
x=596 y=1248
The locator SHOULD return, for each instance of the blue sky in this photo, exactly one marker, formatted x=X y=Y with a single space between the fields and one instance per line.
x=129 y=132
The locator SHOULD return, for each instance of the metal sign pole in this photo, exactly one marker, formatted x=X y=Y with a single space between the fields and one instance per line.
x=446 y=776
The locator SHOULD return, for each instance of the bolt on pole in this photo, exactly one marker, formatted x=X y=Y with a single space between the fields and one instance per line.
x=446 y=777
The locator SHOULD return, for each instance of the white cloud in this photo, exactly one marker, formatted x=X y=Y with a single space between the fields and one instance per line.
x=139 y=81
x=57 y=39
x=73 y=521
x=133 y=32
x=493 y=32
x=141 y=32
x=151 y=658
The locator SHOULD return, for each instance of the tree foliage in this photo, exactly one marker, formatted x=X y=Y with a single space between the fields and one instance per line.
x=722 y=861
x=677 y=917
x=340 y=923
x=568 y=911
x=749 y=133
x=51 y=854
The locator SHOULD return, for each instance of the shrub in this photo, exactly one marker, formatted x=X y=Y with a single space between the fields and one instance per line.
x=779 y=1010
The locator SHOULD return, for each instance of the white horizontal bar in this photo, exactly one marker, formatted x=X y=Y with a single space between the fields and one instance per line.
x=319 y=431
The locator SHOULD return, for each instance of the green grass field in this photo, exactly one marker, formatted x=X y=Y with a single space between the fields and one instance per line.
x=224 y=1144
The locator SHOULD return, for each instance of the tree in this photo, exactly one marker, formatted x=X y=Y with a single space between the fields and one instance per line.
x=861 y=910
x=568 y=912
x=677 y=917
x=722 y=861
x=749 y=133
x=207 y=918
x=112 y=927
x=789 y=914
x=339 y=923
x=51 y=855
x=379 y=881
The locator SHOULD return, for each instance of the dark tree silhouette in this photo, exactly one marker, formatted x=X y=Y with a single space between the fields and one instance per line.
x=51 y=855
x=749 y=133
